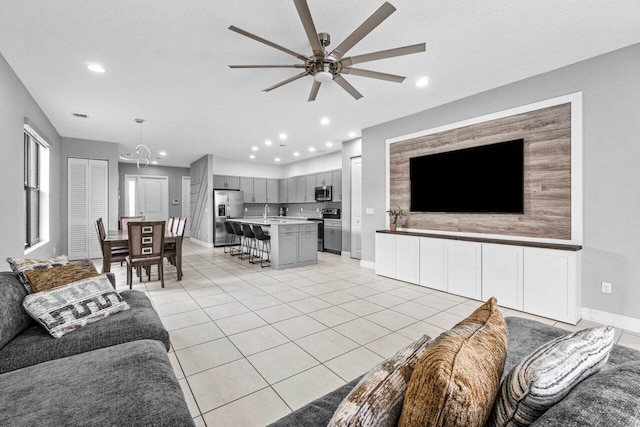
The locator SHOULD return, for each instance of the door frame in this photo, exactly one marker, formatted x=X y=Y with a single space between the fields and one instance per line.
x=187 y=228
x=136 y=178
x=354 y=253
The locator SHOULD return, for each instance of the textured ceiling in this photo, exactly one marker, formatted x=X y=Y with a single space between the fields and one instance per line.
x=166 y=62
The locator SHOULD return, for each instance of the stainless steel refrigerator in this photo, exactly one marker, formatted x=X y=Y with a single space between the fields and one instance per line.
x=226 y=204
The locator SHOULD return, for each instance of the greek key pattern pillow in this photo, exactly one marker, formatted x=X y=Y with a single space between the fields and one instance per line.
x=62 y=310
x=21 y=265
x=546 y=376
x=376 y=401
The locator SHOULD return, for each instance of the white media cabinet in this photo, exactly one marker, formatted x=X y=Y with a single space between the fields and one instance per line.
x=537 y=278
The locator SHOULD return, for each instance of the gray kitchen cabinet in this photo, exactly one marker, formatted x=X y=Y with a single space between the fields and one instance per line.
x=288 y=248
x=323 y=179
x=301 y=189
x=273 y=190
x=246 y=186
x=259 y=190
x=226 y=182
x=284 y=196
x=310 y=188
x=336 y=183
x=307 y=246
x=291 y=190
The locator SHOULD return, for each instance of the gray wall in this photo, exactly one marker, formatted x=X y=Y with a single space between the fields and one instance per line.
x=175 y=183
x=16 y=105
x=611 y=98
x=202 y=199
x=350 y=149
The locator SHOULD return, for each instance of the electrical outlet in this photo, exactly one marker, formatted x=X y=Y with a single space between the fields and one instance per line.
x=246 y=209
x=317 y=209
x=606 y=287
x=301 y=210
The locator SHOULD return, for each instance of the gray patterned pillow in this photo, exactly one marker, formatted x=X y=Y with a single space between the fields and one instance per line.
x=21 y=265
x=377 y=399
x=62 y=310
x=546 y=376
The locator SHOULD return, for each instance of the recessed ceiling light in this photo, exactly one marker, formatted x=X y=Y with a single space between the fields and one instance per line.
x=283 y=136
x=312 y=149
x=254 y=148
x=252 y=156
x=422 y=82
x=324 y=121
x=352 y=134
x=296 y=154
x=329 y=144
x=154 y=162
x=277 y=159
x=267 y=142
x=96 y=68
x=163 y=153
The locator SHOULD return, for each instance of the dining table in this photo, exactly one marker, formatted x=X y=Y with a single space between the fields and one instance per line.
x=120 y=238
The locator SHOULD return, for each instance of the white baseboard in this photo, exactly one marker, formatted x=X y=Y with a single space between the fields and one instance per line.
x=201 y=243
x=346 y=254
x=617 y=320
x=368 y=264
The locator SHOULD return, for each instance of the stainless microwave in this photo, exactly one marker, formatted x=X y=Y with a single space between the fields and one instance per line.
x=323 y=194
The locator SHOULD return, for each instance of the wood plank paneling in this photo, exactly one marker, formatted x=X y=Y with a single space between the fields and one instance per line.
x=547 y=175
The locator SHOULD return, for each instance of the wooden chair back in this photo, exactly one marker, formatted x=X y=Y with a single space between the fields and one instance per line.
x=146 y=239
x=124 y=220
x=170 y=223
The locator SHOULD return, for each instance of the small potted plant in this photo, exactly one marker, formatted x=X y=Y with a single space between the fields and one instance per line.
x=395 y=215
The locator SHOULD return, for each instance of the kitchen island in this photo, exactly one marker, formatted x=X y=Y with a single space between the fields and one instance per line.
x=293 y=241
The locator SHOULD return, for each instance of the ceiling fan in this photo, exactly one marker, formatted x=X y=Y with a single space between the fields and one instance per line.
x=327 y=66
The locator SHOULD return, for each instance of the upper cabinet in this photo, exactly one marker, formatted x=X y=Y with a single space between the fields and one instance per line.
x=301 y=189
x=282 y=183
x=246 y=186
x=323 y=179
x=336 y=183
x=259 y=190
x=226 y=182
x=310 y=187
x=272 y=194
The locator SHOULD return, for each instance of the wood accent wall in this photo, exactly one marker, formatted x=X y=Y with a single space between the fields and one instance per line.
x=547 y=175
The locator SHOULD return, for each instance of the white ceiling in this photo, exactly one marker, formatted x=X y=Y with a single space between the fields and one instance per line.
x=167 y=60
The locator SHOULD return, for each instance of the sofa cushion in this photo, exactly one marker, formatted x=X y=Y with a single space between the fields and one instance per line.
x=21 y=265
x=13 y=318
x=456 y=380
x=377 y=399
x=66 y=308
x=130 y=384
x=607 y=399
x=547 y=375
x=49 y=278
x=35 y=345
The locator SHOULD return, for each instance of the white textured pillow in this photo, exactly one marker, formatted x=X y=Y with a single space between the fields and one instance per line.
x=377 y=399
x=66 y=308
x=547 y=375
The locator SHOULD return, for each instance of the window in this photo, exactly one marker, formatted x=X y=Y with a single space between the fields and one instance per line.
x=36 y=186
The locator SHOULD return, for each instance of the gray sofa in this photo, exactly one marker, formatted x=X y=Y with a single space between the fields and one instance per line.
x=112 y=372
x=609 y=398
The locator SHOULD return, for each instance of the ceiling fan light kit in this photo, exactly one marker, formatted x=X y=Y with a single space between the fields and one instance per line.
x=326 y=66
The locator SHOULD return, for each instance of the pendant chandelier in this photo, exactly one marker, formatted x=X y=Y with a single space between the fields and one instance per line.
x=142 y=156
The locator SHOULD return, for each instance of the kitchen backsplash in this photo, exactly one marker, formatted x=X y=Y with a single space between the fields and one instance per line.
x=305 y=210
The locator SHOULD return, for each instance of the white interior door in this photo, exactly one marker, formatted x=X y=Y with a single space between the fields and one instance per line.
x=148 y=196
x=356 y=207
x=186 y=203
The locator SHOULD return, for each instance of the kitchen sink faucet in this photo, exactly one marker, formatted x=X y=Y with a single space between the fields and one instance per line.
x=266 y=209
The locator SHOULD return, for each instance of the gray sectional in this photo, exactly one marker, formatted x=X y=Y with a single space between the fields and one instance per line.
x=609 y=398
x=112 y=372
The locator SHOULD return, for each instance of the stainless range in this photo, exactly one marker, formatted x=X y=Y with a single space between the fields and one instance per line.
x=332 y=230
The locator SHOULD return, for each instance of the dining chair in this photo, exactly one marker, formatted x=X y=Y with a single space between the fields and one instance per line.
x=170 y=249
x=229 y=239
x=146 y=248
x=118 y=254
x=170 y=223
x=124 y=220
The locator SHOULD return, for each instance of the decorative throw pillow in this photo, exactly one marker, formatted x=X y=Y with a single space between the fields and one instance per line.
x=64 y=309
x=546 y=376
x=49 y=278
x=377 y=399
x=456 y=380
x=21 y=265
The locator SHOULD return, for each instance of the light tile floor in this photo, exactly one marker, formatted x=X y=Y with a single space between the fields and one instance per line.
x=251 y=344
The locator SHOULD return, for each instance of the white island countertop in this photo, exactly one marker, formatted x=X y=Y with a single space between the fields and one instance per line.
x=270 y=221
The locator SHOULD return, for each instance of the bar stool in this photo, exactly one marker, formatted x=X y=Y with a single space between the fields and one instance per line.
x=249 y=241
x=230 y=238
x=265 y=241
x=237 y=230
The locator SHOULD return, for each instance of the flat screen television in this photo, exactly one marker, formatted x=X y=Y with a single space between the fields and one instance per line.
x=485 y=179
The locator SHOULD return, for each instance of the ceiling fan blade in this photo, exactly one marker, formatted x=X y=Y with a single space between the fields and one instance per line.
x=289 y=80
x=268 y=43
x=373 y=74
x=365 y=28
x=347 y=86
x=383 y=54
x=309 y=27
x=314 y=91
x=267 y=66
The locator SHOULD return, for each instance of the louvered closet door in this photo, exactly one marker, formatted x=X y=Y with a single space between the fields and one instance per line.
x=87 y=188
